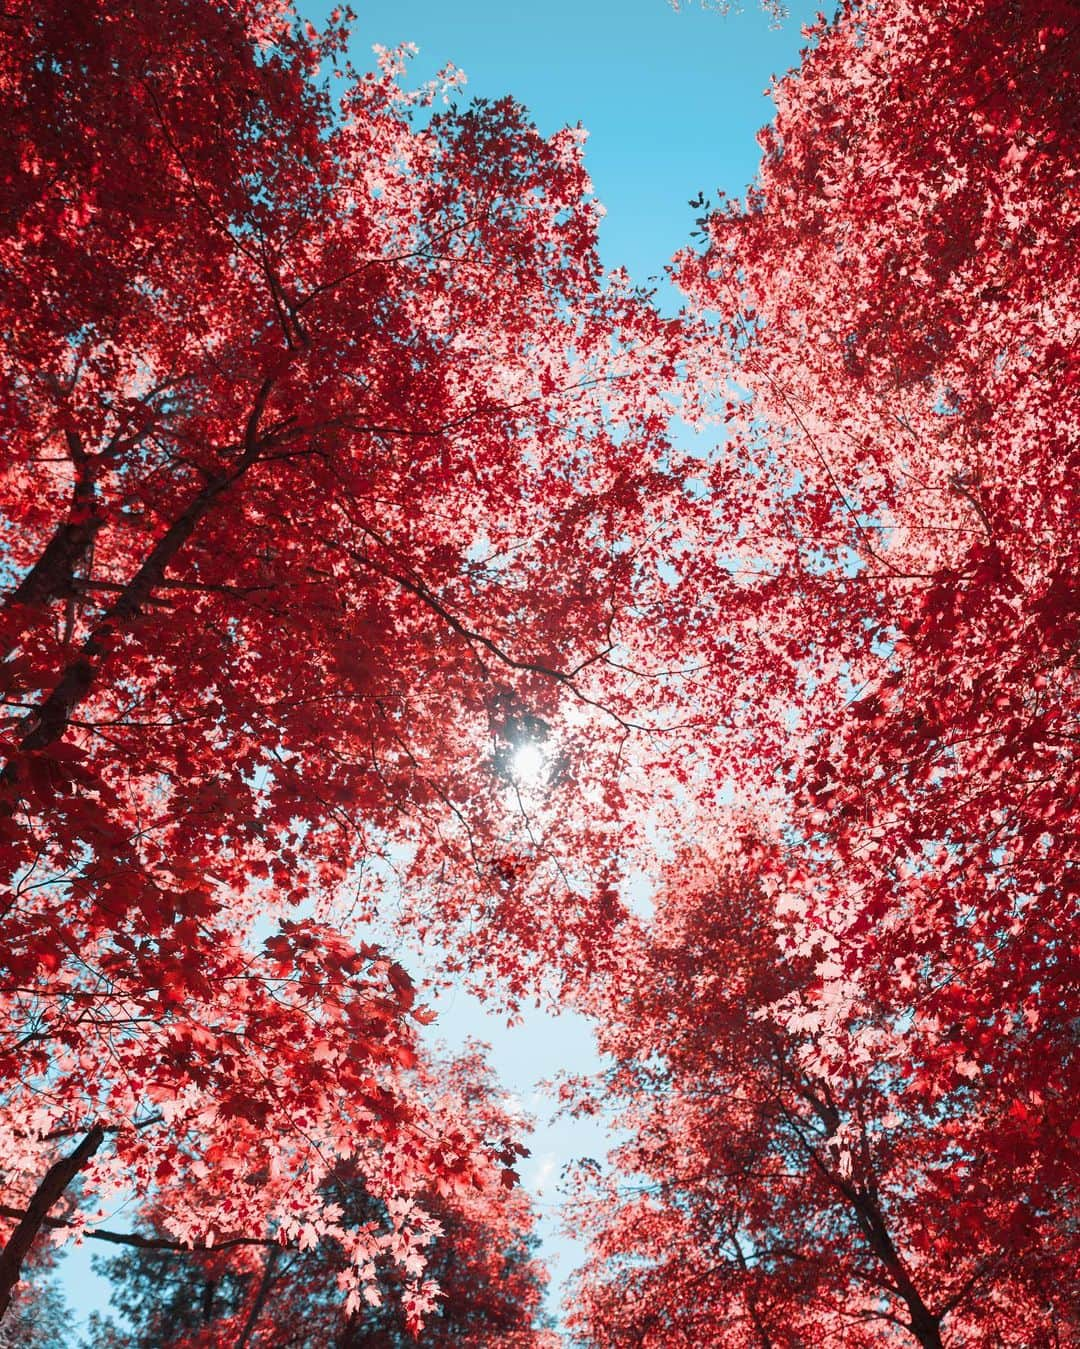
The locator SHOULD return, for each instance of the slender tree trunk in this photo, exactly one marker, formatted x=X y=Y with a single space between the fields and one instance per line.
x=55 y=1181
x=47 y=725
x=751 y=1301
x=925 y=1326
x=209 y=1289
x=259 y=1300
x=345 y=1339
x=49 y=722
x=52 y=576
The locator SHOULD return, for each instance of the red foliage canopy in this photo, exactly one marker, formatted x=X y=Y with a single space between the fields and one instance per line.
x=891 y=321
x=761 y=1200
x=900 y=295
x=477 y=1247
x=335 y=472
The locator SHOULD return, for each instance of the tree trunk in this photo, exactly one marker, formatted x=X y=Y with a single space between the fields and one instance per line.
x=927 y=1331
x=925 y=1326
x=49 y=723
x=56 y=1180
x=259 y=1300
x=53 y=575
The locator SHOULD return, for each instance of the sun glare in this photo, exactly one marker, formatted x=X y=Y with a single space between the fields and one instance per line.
x=530 y=764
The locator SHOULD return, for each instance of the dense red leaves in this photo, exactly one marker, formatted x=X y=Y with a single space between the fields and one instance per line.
x=334 y=471
x=888 y=322
x=898 y=295
x=491 y=1288
x=474 y=1245
x=913 y=465
x=760 y=1201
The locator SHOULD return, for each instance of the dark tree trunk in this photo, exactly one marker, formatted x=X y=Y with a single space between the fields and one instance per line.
x=52 y=576
x=259 y=1300
x=925 y=1326
x=927 y=1331
x=49 y=723
x=55 y=1181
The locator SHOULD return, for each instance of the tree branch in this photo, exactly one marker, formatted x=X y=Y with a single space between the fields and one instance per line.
x=35 y=1216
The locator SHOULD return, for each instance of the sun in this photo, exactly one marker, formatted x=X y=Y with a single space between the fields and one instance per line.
x=529 y=764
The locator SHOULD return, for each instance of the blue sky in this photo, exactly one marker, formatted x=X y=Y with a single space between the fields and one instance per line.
x=672 y=102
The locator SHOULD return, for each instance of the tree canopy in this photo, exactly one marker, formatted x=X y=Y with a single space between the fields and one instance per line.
x=852 y=1042
x=339 y=480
